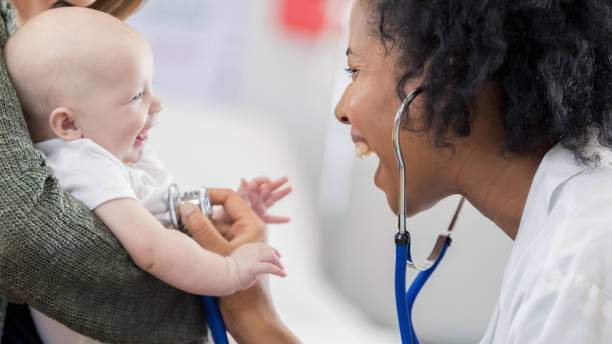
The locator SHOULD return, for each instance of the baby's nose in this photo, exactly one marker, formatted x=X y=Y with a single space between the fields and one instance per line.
x=156 y=106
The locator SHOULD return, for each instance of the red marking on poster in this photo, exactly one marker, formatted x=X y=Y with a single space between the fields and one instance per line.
x=303 y=16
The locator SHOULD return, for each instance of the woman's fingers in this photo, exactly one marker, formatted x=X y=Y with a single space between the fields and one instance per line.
x=245 y=225
x=202 y=230
x=234 y=206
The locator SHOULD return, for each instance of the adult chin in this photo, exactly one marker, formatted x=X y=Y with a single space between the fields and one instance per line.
x=383 y=181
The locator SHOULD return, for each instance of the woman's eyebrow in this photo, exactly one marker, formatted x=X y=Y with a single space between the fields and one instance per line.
x=349 y=51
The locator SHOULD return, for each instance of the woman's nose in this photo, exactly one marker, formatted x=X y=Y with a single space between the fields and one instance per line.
x=156 y=106
x=340 y=112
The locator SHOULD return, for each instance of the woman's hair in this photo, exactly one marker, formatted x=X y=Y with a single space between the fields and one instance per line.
x=551 y=58
x=118 y=8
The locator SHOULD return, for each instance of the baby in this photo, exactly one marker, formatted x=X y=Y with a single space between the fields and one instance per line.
x=84 y=80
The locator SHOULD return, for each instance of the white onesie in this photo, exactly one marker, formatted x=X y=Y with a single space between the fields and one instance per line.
x=94 y=176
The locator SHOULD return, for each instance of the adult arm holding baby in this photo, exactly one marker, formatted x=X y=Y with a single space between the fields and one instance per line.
x=58 y=257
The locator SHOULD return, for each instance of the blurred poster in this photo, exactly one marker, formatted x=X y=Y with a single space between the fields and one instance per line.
x=199 y=45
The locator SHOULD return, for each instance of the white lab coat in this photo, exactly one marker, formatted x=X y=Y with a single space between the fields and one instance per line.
x=557 y=286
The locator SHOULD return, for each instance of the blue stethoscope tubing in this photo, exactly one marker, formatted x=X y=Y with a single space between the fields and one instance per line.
x=214 y=319
x=404 y=300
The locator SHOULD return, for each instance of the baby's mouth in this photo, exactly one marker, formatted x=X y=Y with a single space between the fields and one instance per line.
x=362 y=149
x=142 y=137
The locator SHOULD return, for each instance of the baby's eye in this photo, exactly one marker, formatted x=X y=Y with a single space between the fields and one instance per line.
x=137 y=97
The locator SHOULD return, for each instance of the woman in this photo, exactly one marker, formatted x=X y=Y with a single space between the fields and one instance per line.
x=58 y=257
x=515 y=115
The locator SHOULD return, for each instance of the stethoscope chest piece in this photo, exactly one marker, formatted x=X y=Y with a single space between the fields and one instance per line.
x=176 y=199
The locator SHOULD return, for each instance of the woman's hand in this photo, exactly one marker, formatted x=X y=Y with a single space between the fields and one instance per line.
x=249 y=315
x=218 y=235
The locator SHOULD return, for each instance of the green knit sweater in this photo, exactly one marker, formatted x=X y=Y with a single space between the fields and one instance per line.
x=56 y=256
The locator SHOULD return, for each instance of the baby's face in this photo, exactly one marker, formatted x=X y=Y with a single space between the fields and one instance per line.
x=117 y=107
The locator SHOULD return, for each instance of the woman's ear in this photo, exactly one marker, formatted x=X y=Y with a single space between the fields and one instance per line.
x=63 y=124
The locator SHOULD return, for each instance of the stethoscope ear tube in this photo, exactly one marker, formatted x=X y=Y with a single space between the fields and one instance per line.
x=401 y=192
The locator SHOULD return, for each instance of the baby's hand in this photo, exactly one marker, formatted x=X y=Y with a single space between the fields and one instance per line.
x=261 y=193
x=252 y=260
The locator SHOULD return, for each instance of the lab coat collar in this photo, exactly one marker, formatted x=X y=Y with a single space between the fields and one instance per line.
x=558 y=166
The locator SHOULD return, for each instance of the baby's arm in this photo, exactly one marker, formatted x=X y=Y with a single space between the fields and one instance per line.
x=176 y=259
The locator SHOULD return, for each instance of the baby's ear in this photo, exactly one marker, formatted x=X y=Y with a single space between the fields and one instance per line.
x=63 y=124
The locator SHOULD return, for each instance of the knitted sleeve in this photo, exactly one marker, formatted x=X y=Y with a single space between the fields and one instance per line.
x=56 y=256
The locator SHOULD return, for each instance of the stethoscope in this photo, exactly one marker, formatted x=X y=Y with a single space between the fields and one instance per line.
x=199 y=198
x=404 y=300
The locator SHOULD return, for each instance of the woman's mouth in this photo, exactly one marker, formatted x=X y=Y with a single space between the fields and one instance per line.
x=362 y=149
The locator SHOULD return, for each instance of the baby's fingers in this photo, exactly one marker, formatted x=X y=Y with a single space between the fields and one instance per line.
x=258 y=182
x=269 y=262
x=275 y=219
x=243 y=189
x=269 y=187
x=270 y=255
x=275 y=196
x=269 y=268
x=278 y=183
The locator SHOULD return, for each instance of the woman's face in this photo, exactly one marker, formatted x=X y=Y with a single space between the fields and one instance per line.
x=369 y=105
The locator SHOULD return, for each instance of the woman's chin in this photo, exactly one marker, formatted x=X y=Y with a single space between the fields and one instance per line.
x=392 y=201
x=387 y=187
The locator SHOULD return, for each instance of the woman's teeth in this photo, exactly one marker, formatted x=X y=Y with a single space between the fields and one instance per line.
x=362 y=149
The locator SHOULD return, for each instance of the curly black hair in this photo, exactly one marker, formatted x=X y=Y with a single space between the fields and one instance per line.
x=552 y=59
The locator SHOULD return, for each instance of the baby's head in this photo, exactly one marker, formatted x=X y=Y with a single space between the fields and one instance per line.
x=81 y=73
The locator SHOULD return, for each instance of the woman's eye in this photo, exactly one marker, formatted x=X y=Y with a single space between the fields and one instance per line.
x=352 y=72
